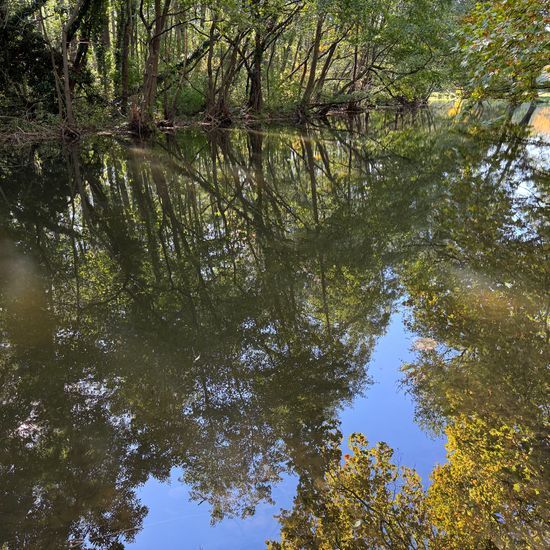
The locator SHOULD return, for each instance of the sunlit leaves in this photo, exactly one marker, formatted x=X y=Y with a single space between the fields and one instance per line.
x=505 y=46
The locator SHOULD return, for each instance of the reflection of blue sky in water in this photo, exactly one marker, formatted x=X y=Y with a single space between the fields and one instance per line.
x=384 y=413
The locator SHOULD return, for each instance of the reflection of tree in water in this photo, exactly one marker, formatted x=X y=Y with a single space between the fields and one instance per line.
x=477 y=288
x=189 y=308
x=207 y=303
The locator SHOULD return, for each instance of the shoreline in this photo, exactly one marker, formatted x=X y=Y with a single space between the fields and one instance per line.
x=22 y=131
x=37 y=133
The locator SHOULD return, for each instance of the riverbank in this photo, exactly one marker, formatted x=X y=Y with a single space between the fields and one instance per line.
x=19 y=130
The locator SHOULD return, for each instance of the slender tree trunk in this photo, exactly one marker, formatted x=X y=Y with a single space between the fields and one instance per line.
x=105 y=65
x=183 y=73
x=68 y=32
x=211 y=94
x=324 y=71
x=69 y=113
x=125 y=53
x=315 y=207
x=151 y=66
x=79 y=60
x=310 y=86
x=55 y=70
x=228 y=76
x=352 y=105
x=255 y=100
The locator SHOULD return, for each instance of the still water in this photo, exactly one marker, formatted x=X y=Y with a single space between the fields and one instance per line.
x=185 y=323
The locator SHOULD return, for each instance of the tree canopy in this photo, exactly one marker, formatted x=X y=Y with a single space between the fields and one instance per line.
x=153 y=60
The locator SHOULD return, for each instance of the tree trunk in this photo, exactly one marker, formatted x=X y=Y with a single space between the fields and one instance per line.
x=352 y=105
x=310 y=86
x=255 y=100
x=125 y=54
x=103 y=58
x=68 y=32
x=69 y=113
x=151 y=66
x=211 y=94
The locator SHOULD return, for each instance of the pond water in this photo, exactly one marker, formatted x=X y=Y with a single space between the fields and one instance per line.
x=186 y=324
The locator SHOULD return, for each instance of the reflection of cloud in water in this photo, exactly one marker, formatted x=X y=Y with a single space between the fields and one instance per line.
x=525 y=190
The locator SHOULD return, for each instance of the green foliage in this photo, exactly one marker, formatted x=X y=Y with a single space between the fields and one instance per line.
x=270 y=57
x=189 y=101
x=123 y=52
x=505 y=46
x=26 y=74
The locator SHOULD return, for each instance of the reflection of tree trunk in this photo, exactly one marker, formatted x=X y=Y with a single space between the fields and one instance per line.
x=75 y=168
x=256 y=161
x=527 y=116
x=314 y=201
x=178 y=234
x=167 y=207
x=256 y=155
x=313 y=180
x=147 y=212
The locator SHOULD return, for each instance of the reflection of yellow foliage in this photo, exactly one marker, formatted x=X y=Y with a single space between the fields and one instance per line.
x=366 y=502
x=488 y=491
x=488 y=495
x=455 y=109
x=540 y=122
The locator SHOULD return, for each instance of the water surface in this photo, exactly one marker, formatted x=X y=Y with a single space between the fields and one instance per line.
x=186 y=323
